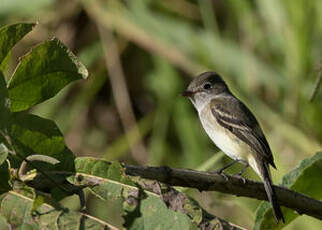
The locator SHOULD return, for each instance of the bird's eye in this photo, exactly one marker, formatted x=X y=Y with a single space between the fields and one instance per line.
x=207 y=86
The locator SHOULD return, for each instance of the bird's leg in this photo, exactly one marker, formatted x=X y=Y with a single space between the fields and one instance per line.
x=243 y=169
x=240 y=173
x=220 y=171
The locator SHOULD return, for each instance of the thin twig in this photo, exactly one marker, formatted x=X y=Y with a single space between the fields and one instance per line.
x=204 y=181
x=121 y=95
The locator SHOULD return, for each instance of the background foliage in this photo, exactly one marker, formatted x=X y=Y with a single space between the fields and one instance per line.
x=268 y=51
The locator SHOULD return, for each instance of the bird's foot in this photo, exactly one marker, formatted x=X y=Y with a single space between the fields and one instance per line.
x=240 y=177
x=223 y=175
x=240 y=173
x=219 y=172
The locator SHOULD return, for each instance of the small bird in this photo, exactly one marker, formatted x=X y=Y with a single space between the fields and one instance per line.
x=234 y=129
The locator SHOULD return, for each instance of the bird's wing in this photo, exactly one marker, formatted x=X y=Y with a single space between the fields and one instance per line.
x=238 y=119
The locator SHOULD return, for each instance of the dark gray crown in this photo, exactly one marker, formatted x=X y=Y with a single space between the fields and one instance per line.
x=211 y=77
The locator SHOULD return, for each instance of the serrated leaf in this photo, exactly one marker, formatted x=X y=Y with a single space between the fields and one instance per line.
x=33 y=135
x=42 y=73
x=306 y=179
x=16 y=208
x=10 y=35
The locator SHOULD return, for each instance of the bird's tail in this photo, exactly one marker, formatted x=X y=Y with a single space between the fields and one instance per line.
x=271 y=194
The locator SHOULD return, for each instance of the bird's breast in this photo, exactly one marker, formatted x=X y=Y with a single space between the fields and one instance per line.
x=225 y=140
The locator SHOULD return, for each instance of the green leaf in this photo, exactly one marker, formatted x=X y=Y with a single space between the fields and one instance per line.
x=4 y=64
x=114 y=184
x=305 y=178
x=4 y=103
x=16 y=208
x=42 y=73
x=33 y=135
x=112 y=172
x=10 y=35
x=39 y=200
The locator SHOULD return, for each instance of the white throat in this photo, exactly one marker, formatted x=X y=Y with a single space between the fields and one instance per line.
x=201 y=100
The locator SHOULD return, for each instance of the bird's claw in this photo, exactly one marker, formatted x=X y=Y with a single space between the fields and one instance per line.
x=241 y=177
x=224 y=176
x=221 y=173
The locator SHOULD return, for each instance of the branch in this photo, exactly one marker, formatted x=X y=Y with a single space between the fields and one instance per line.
x=205 y=181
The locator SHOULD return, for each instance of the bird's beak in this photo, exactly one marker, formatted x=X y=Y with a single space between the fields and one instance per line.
x=188 y=93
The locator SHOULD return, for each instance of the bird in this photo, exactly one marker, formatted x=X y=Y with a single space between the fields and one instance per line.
x=234 y=129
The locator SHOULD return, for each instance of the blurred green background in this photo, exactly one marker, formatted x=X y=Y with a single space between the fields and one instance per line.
x=141 y=54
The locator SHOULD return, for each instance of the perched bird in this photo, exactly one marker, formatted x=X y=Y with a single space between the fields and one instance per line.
x=233 y=128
